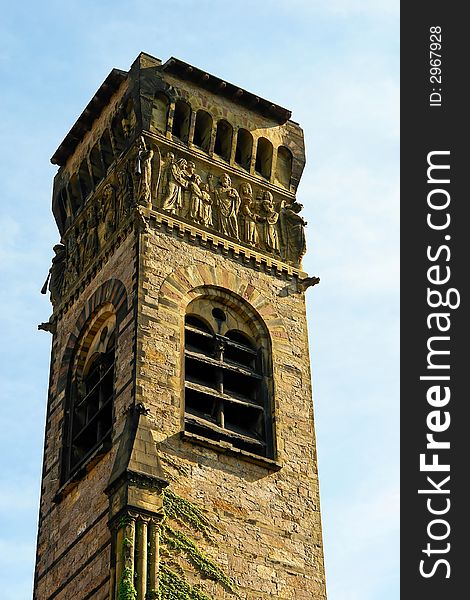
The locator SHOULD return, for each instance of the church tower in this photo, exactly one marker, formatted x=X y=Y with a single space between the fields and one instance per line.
x=179 y=458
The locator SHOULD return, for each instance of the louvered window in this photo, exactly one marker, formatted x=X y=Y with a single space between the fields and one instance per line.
x=226 y=396
x=90 y=416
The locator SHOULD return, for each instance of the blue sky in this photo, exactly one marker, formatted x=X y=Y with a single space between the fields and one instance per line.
x=335 y=64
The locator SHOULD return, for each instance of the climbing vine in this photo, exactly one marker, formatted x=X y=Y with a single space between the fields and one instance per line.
x=173 y=585
x=126 y=589
x=186 y=513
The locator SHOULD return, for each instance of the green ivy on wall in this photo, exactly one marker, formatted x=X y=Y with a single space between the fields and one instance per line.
x=175 y=542
x=126 y=590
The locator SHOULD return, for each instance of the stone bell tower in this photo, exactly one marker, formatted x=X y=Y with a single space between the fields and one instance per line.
x=179 y=457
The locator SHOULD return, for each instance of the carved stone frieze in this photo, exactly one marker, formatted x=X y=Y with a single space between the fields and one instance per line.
x=93 y=230
x=231 y=208
x=143 y=179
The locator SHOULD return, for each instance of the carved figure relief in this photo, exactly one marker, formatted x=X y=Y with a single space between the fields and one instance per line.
x=55 y=277
x=194 y=188
x=108 y=202
x=269 y=219
x=227 y=201
x=177 y=182
x=91 y=240
x=248 y=216
x=81 y=239
x=205 y=205
x=293 y=232
x=143 y=170
x=125 y=194
x=73 y=260
x=262 y=223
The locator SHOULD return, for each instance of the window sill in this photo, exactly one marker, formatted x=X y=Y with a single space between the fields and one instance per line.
x=227 y=448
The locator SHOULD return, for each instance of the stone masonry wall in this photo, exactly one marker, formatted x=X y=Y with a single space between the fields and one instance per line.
x=73 y=551
x=267 y=535
x=269 y=531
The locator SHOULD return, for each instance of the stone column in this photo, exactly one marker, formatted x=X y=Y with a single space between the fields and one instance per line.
x=141 y=558
x=125 y=553
x=153 y=556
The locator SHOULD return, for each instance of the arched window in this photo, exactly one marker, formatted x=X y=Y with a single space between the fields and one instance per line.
x=264 y=158
x=64 y=206
x=106 y=149
x=118 y=134
x=284 y=166
x=203 y=130
x=244 y=148
x=89 y=414
x=74 y=193
x=228 y=383
x=84 y=177
x=181 y=121
x=97 y=168
x=160 y=112
x=223 y=139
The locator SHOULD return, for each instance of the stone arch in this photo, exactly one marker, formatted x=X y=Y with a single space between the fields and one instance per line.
x=112 y=293
x=185 y=284
x=181 y=120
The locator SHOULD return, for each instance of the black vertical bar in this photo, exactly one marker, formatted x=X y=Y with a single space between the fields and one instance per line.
x=434 y=254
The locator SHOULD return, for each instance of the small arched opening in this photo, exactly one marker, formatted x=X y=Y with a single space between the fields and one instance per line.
x=181 y=121
x=244 y=149
x=203 y=130
x=223 y=139
x=284 y=166
x=264 y=158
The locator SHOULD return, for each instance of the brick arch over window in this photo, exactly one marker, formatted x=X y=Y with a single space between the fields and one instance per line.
x=111 y=292
x=183 y=285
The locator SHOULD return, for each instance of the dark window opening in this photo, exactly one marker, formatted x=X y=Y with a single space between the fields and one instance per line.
x=264 y=158
x=195 y=342
x=92 y=409
x=106 y=150
x=223 y=139
x=284 y=166
x=219 y=315
x=181 y=121
x=197 y=323
x=65 y=207
x=240 y=356
x=97 y=168
x=86 y=185
x=203 y=130
x=244 y=149
x=225 y=391
x=241 y=386
x=200 y=372
x=75 y=194
x=251 y=424
x=200 y=404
